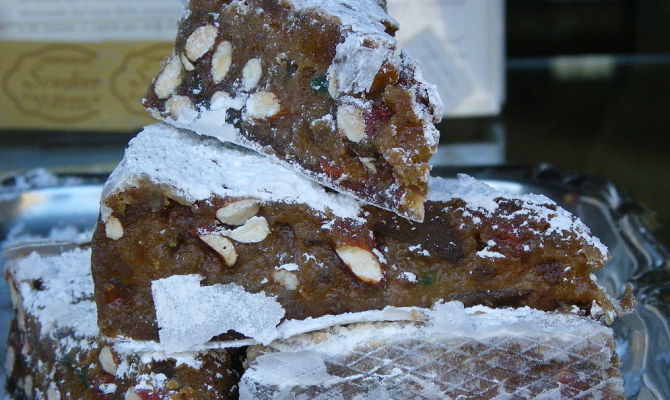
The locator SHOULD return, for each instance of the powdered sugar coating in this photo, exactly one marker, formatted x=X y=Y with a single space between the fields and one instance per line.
x=482 y=198
x=199 y=169
x=64 y=299
x=366 y=45
x=64 y=302
x=52 y=296
x=196 y=169
x=189 y=314
x=355 y=66
x=361 y=16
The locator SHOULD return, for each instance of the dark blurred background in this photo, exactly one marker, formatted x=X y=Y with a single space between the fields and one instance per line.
x=588 y=91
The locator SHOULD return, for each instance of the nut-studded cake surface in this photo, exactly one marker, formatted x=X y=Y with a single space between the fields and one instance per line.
x=56 y=352
x=451 y=353
x=180 y=205
x=319 y=85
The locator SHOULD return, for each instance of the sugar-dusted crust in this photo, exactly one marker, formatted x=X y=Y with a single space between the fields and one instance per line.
x=238 y=218
x=451 y=352
x=56 y=352
x=319 y=85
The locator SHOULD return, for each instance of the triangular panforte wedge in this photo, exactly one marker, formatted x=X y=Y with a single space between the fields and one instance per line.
x=319 y=85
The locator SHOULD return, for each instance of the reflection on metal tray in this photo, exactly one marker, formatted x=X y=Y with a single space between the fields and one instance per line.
x=65 y=212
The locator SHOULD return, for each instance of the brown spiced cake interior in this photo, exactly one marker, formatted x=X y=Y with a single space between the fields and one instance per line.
x=180 y=205
x=319 y=85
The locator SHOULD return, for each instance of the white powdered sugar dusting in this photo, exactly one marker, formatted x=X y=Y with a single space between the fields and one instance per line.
x=409 y=276
x=361 y=16
x=366 y=43
x=291 y=328
x=450 y=319
x=189 y=314
x=481 y=198
x=435 y=110
x=488 y=253
x=63 y=297
x=288 y=267
x=431 y=90
x=63 y=301
x=151 y=381
x=355 y=66
x=197 y=169
x=107 y=388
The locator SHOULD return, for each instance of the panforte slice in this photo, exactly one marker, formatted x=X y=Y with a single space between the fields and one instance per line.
x=455 y=353
x=319 y=85
x=56 y=352
x=181 y=204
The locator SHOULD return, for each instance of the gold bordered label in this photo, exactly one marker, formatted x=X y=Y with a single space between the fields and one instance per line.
x=77 y=86
x=57 y=84
x=130 y=81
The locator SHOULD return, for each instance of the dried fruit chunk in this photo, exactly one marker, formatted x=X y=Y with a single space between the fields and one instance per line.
x=362 y=263
x=238 y=212
x=223 y=246
x=200 y=42
x=308 y=61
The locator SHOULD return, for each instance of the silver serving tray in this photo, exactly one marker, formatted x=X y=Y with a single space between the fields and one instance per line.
x=69 y=205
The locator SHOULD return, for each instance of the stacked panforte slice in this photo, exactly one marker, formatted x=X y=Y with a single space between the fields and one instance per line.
x=56 y=351
x=218 y=271
x=317 y=85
